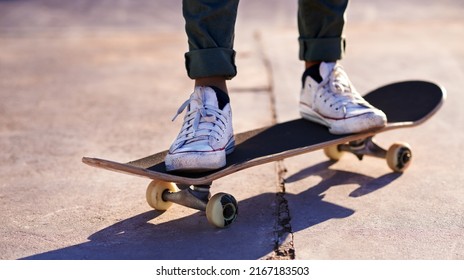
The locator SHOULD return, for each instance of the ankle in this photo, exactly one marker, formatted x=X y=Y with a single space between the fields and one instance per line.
x=217 y=82
x=311 y=63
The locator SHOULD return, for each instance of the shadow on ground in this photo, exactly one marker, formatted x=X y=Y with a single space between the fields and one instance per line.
x=309 y=207
x=191 y=237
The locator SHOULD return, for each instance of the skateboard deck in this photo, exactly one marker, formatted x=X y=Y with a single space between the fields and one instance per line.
x=406 y=104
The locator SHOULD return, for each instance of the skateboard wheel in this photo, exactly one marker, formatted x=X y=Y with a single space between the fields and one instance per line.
x=399 y=156
x=221 y=210
x=155 y=191
x=333 y=153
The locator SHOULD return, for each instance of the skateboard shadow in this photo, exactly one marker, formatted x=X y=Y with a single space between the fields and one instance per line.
x=191 y=237
x=143 y=237
x=331 y=177
x=308 y=207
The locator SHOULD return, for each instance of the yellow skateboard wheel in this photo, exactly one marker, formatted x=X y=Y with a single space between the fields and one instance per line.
x=155 y=191
x=333 y=153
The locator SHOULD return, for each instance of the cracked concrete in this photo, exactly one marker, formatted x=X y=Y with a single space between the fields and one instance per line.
x=283 y=248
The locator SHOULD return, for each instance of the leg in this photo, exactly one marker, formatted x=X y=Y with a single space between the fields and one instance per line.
x=210 y=27
x=320 y=24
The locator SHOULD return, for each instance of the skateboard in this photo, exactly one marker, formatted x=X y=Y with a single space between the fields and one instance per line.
x=406 y=104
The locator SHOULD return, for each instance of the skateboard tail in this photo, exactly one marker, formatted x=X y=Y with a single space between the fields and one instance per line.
x=116 y=166
x=140 y=171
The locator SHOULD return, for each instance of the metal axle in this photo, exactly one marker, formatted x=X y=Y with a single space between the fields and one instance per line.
x=195 y=197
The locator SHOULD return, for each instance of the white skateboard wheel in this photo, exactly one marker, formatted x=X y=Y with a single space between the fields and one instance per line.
x=399 y=156
x=221 y=210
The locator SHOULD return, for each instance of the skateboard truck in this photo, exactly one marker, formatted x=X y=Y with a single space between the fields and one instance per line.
x=195 y=197
x=398 y=156
x=221 y=209
x=363 y=147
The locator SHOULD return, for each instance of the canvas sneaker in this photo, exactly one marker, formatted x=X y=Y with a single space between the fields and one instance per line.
x=329 y=98
x=206 y=136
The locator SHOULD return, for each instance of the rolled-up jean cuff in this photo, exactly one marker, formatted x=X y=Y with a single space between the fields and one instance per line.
x=211 y=62
x=322 y=49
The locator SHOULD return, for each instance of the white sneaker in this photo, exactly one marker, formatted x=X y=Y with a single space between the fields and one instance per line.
x=335 y=103
x=206 y=135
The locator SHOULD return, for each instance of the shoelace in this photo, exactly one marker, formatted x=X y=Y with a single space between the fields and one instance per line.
x=201 y=123
x=342 y=95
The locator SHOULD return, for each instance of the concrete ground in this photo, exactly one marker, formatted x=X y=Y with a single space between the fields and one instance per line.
x=104 y=78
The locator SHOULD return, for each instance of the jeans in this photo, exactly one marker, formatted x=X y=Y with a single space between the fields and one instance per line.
x=210 y=28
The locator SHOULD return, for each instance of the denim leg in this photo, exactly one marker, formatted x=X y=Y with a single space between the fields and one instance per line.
x=320 y=24
x=210 y=28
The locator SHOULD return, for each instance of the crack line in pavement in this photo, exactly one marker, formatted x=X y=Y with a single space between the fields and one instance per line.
x=283 y=235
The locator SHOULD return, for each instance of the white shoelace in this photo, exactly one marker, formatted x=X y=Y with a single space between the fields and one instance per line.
x=342 y=94
x=201 y=123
